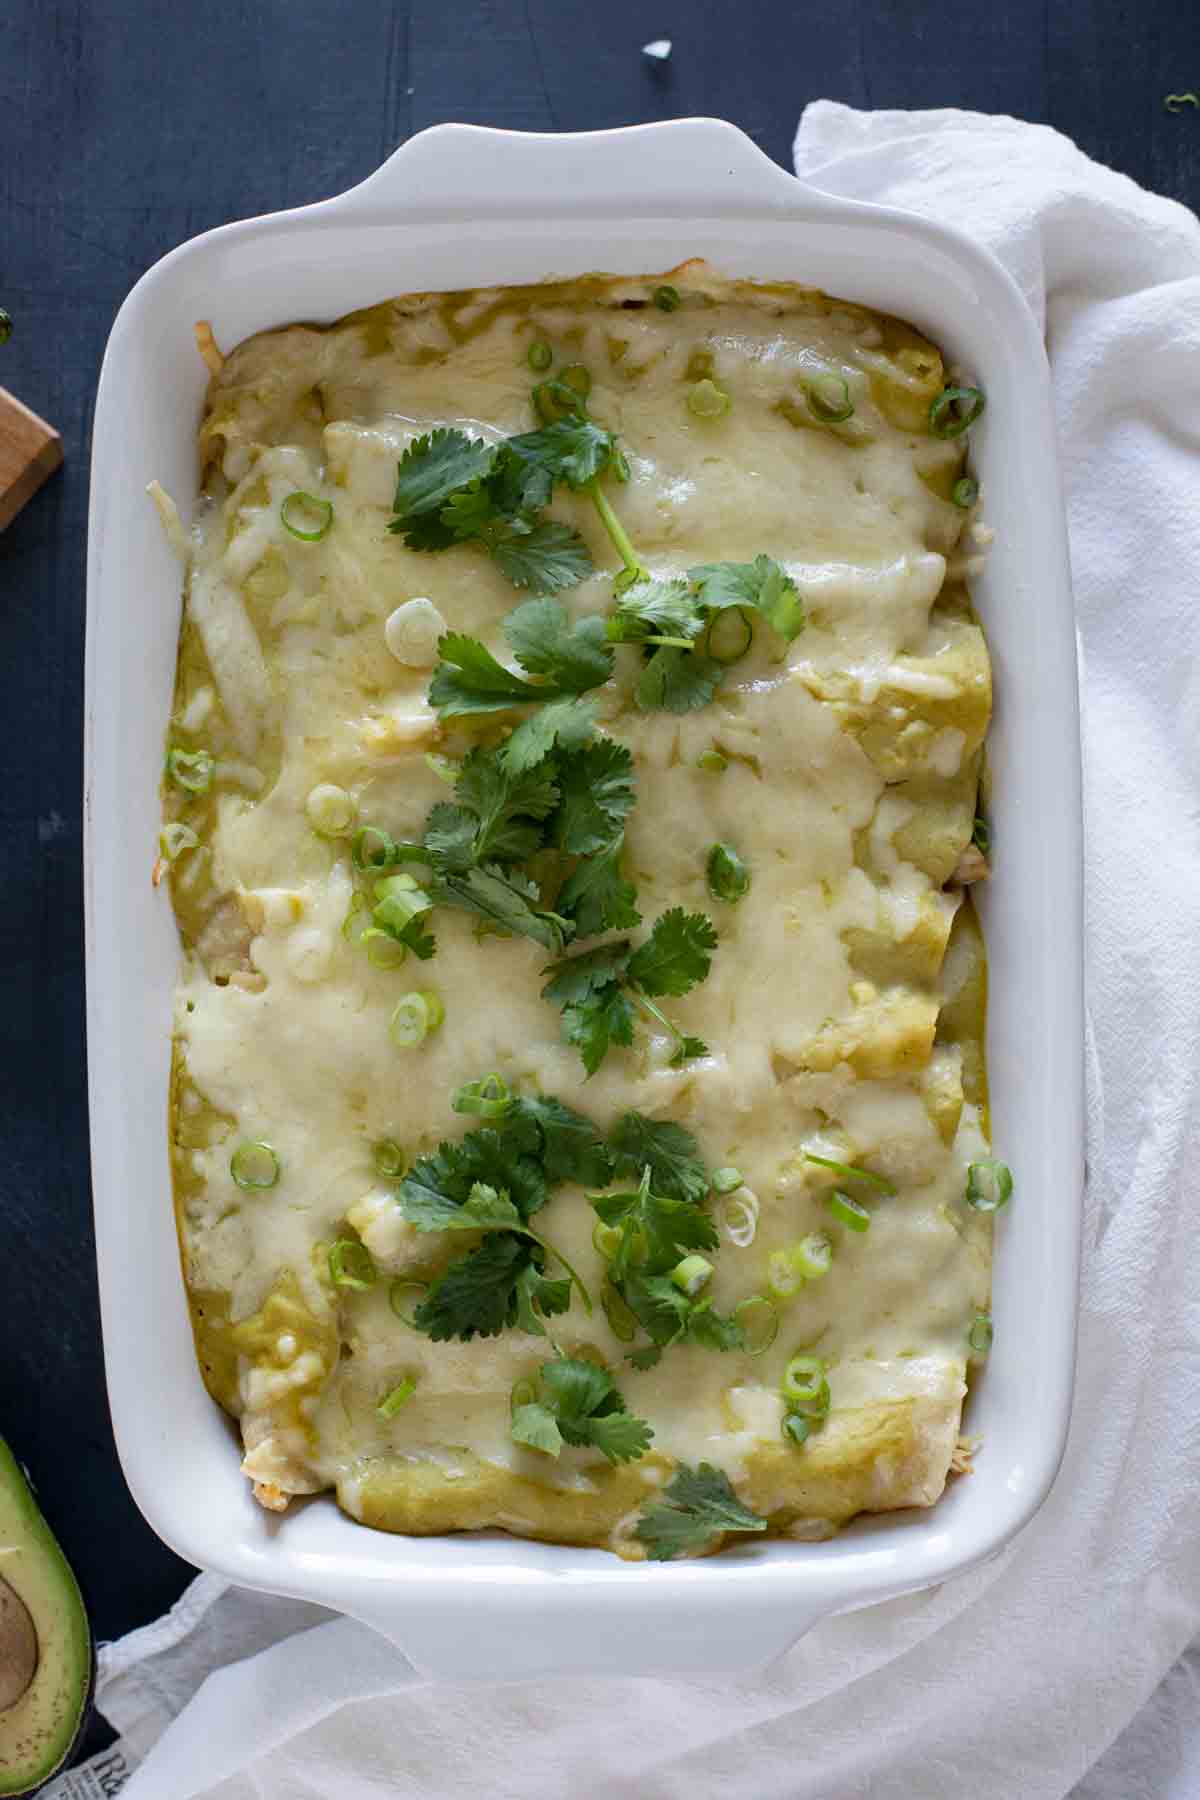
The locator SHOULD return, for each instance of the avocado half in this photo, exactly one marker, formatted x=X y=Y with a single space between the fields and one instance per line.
x=46 y=1652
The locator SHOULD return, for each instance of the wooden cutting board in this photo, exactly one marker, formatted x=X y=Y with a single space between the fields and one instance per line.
x=30 y=450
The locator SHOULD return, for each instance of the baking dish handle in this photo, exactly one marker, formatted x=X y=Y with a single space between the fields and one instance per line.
x=611 y=1630
x=705 y=163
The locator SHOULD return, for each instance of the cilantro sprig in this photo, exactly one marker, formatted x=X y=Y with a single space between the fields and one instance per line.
x=578 y=1403
x=673 y=623
x=599 y=989
x=454 y=489
x=698 y=1507
x=653 y=1233
x=495 y=1179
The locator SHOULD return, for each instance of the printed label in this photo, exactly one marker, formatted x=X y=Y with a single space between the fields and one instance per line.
x=97 y=1779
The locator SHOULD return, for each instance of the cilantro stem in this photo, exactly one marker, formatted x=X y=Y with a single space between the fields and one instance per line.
x=635 y=570
x=655 y=1012
x=671 y=643
x=576 y=1277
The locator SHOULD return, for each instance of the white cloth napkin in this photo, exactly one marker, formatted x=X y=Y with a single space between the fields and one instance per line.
x=1012 y=1681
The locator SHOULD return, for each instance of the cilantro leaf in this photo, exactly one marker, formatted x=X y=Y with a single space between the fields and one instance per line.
x=676 y=955
x=508 y=805
x=574 y=653
x=483 y=1210
x=567 y=1143
x=565 y=723
x=450 y=836
x=477 y=1295
x=597 y=897
x=545 y=557
x=761 y=584
x=619 y=1436
x=591 y=986
x=712 y=1329
x=536 y=1427
x=668 y=1150
x=659 y=1229
x=658 y=609
x=594 y=1025
x=497 y=1158
x=581 y=977
x=468 y=679
x=596 y=794
x=432 y=468
x=580 y=1404
x=677 y=681
x=697 y=1507
x=669 y=1317
x=508 y=900
x=537 y=1297
x=571 y=450
x=427 y=532
x=471 y=512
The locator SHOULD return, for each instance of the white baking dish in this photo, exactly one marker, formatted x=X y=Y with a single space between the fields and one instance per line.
x=460 y=207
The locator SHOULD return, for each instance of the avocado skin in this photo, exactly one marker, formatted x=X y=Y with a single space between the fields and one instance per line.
x=39 y=1732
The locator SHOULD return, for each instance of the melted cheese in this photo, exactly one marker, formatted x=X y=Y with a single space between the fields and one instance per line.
x=849 y=791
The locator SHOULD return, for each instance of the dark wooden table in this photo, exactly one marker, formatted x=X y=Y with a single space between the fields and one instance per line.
x=127 y=126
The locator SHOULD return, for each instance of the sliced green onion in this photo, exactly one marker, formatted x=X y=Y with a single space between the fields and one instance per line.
x=539 y=356
x=829 y=398
x=489 y=1098
x=357 y=921
x=803 y=1378
x=373 y=848
x=813 y=1256
x=398 y=901
x=851 y=1171
x=416 y=1015
x=989 y=1185
x=397 y=1298
x=331 y=810
x=783 y=1277
x=578 y=377
x=522 y=1393
x=300 y=509
x=351 y=1264
x=848 y=1211
x=389 y=1159
x=191 y=770
x=667 y=298
x=723 y=1181
x=796 y=1427
x=713 y=762
x=399 y=1396
x=729 y=636
x=728 y=875
x=739 y=1216
x=981 y=835
x=605 y=1239
x=174 y=839
x=254 y=1166
x=691 y=1275
x=981 y=1334
x=446 y=768
x=705 y=400
x=965 y=491
x=621 y=1322
x=759 y=1319
x=955 y=410
x=383 y=950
